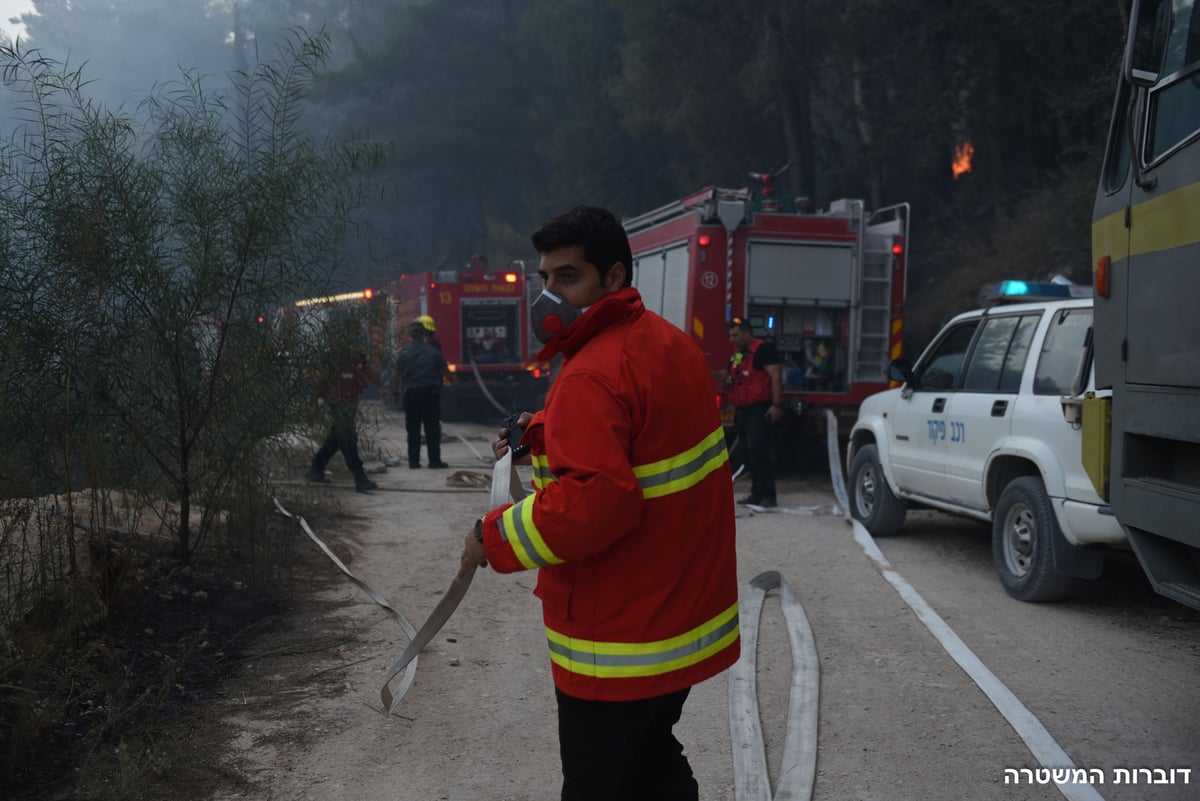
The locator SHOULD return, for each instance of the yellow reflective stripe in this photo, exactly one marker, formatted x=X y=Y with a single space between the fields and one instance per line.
x=518 y=530
x=616 y=660
x=688 y=469
x=1160 y=223
x=541 y=472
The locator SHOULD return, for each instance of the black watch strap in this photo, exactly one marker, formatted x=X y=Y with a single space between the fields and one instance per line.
x=479 y=529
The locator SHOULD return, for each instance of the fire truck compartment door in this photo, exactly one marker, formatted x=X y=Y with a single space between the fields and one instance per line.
x=661 y=279
x=812 y=273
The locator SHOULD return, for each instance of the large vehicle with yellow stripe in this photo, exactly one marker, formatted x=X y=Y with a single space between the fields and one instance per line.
x=827 y=288
x=1142 y=446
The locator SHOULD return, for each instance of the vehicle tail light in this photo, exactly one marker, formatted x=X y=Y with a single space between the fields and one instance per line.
x=1101 y=277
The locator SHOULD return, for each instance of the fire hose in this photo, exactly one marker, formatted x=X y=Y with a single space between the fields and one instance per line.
x=798 y=763
x=505 y=484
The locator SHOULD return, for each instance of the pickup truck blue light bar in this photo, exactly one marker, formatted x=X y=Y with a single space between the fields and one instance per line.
x=1011 y=291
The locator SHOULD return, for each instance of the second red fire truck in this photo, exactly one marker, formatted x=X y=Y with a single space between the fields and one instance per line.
x=827 y=288
x=482 y=321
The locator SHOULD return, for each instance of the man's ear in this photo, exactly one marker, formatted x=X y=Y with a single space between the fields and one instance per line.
x=614 y=279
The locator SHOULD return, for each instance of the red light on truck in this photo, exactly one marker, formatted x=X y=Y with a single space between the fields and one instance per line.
x=705 y=240
x=510 y=278
x=898 y=248
x=1101 y=278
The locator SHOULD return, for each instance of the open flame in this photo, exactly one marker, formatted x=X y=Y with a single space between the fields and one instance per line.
x=962 y=159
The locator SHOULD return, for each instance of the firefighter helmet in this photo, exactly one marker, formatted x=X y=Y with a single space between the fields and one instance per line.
x=427 y=321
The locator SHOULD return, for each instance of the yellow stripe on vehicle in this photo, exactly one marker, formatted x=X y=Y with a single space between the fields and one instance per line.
x=615 y=660
x=1161 y=223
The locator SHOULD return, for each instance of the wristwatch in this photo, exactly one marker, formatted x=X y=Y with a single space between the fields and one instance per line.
x=479 y=529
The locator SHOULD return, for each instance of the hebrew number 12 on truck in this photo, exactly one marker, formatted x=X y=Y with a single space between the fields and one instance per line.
x=1142 y=446
x=827 y=288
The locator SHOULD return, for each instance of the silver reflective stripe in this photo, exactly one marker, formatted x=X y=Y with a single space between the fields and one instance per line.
x=684 y=470
x=655 y=658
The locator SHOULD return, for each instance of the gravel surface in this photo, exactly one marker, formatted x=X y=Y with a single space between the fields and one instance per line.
x=898 y=718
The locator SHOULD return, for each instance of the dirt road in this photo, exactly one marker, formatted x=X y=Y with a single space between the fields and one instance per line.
x=898 y=718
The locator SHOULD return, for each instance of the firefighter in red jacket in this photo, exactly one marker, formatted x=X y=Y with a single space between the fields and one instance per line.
x=756 y=392
x=631 y=526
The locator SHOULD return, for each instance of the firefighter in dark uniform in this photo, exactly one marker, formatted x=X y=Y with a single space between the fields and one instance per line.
x=420 y=368
x=756 y=392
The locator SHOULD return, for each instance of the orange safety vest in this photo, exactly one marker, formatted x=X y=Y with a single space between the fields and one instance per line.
x=748 y=384
x=631 y=524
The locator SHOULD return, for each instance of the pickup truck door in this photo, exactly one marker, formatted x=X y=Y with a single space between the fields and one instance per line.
x=980 y=414
x=1039 y=408
x=919 y=432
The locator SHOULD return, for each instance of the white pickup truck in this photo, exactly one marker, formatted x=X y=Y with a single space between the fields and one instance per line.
x=987 y=425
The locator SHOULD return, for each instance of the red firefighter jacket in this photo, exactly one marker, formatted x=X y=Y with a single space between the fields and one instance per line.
x=345 y=377
x=748 y=384
x=631 y=524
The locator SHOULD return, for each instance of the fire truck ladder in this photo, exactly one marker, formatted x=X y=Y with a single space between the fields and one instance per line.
x=874 y=335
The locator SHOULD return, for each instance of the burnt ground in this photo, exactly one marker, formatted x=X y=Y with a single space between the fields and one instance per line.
x=113 y=713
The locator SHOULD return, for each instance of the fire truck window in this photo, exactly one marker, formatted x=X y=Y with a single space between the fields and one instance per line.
x=1175 y=106
x=940 y=369
x=1116 y=160
x=489 y=333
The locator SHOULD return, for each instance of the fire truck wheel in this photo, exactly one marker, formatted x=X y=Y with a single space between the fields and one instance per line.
x=1023 y=529
x=871 y=500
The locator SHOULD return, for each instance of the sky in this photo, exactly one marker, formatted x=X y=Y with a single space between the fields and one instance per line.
x=13 y=8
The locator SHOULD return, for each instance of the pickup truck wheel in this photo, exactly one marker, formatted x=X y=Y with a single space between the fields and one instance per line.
x=1023 y=529
x=871 y=500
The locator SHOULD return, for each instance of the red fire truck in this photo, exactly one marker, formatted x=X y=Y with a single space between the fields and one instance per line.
x=827 y=287
x=483 y=328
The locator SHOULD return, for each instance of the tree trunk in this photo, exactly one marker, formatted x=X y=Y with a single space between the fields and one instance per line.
x=794 y=93
x=866 y=135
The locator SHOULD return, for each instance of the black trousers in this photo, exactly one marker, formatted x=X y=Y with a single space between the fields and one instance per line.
x=342 y=437
x=423 y=407
x=754 y=430
x=623 y=750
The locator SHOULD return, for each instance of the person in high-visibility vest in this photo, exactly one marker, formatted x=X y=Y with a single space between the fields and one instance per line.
x=631 y=525
x=756 y=393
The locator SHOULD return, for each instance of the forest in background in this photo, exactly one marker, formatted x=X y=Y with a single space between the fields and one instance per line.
x=497 y=115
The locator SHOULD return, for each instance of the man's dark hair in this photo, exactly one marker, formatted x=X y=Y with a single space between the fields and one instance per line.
x=598 y=230
x=738 y=322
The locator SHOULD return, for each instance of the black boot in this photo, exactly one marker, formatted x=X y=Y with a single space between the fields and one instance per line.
x=363 y=484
